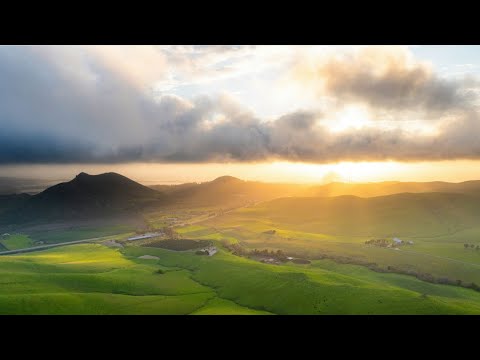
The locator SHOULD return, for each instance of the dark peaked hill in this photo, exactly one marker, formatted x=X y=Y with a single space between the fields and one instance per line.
x=87 y=196
x=104 y=187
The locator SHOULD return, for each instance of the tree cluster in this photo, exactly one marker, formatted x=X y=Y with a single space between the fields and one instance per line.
x=237 y=249
x=378 y=242
x=170 y=233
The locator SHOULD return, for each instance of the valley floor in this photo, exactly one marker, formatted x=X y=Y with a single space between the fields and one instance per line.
x=95 y=279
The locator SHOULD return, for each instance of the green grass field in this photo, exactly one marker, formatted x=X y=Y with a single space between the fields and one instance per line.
x=16 y=241
x=439 y=225
x=94 y=279
x=65 y=235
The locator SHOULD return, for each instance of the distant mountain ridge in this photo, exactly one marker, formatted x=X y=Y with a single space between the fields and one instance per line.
x=391 y=187
x=227 y=191
x=90 y=196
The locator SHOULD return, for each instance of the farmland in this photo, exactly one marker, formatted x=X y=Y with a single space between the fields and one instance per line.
x=291 y=255
x=317 y=228
x=94 y=279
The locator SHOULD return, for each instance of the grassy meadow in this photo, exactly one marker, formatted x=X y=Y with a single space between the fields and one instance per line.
x=95 y=279
x=16 y=241
x=344 y=276
x=313 y=228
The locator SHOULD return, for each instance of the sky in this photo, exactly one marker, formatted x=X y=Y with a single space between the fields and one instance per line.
x=308 y=114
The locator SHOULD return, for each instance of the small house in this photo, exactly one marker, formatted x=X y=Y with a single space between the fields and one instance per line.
x=397 y=241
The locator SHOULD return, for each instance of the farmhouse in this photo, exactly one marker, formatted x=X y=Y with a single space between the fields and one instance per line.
x=211 y=250
x=397 y=241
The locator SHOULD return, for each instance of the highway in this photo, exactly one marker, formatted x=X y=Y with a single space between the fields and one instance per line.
x=47 y=246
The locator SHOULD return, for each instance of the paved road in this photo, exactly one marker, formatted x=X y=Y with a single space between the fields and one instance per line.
x=42 y=247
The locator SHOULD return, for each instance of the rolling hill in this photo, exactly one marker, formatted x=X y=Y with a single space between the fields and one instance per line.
x=406 y=214
x=391 y=187
x=368 y=206
x=231 y=191
x=85 y=196
x=226 y=191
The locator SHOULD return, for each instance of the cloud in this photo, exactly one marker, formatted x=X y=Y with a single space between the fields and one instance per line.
x=386 y=78
x=84 y=105
x=138 y=64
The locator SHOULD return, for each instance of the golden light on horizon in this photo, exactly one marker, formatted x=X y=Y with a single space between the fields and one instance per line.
x=341 y=172
x=275 y=171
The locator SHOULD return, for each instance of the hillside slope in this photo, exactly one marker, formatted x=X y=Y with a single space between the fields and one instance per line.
x=391 y=187
x=226 y=191
x=86 y=196
x=423 y=214
x=13 y=201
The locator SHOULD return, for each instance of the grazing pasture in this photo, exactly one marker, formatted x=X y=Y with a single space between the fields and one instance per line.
x=95 y=279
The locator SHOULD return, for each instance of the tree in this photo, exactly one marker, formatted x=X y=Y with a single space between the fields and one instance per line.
x=477 y=248
x=169 y=232
x=466 y=246
x=472 y=246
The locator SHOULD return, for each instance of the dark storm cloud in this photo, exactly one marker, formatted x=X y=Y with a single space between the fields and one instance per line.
x=66 y=106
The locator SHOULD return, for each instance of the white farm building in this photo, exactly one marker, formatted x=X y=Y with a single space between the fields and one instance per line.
x=397 y=241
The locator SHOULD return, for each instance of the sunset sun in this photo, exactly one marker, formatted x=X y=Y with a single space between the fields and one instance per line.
x=352 y=117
